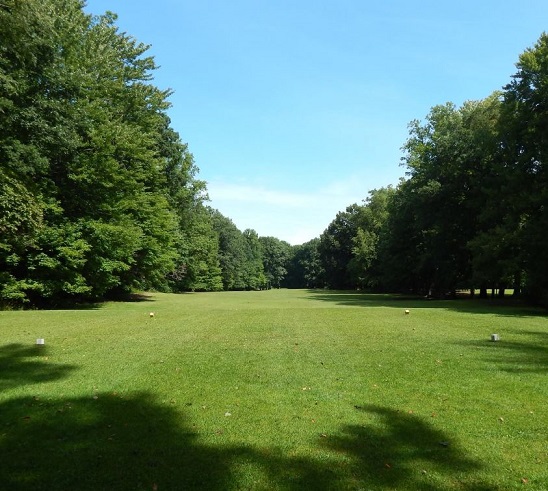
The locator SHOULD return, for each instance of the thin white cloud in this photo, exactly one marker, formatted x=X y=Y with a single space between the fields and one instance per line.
x=291 y=216
x=256 y=194
x=350 y=188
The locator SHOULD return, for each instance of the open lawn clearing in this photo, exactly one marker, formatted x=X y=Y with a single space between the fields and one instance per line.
x=280 y=389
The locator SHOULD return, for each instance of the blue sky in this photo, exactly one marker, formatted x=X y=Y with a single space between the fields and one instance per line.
x=295 y=109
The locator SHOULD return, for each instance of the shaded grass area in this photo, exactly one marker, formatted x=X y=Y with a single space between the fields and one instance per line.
x=527 y=352
x=18 y=367
x=501 y=306
x=137 y=443
x=273 y=390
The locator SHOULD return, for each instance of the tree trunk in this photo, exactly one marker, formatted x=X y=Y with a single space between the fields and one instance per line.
x=517 y=285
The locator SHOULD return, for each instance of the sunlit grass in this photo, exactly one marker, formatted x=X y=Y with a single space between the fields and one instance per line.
x=275 y=390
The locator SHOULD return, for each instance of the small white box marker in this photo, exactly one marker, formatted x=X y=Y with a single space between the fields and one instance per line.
x=40 y=341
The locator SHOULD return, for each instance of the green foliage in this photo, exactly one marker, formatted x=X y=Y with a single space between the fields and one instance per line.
x=525 y=150
x=232 y=257
x=364 y=267
x=335 y=247
x=20 y=215
x=447 y=161
x=114 y=247
x=349 y=246
x=364 y=253
x=305 y=268
x=471 y=212
x=199 y=268
x=275 y=255
x=253 y=272
x=97 y=190
x=57 y=261
x=247 y=261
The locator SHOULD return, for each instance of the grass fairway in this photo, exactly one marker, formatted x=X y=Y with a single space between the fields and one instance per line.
x=281 y=389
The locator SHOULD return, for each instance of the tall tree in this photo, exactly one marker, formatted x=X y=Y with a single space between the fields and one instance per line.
x=449 y=157
x=400 y=243
x=525 y=119
x=197 y=262
x=275 y=254
x=83 y=144
x=199 y=268
x=305 y=268
x=232 y=255
x=363 y=268
x=254 y=277
x=335 y=248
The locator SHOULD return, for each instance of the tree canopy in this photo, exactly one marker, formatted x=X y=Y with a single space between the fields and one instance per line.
x=95 y=183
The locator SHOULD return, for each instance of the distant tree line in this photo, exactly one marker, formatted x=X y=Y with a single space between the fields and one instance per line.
x=472 y=212
x=99 y=197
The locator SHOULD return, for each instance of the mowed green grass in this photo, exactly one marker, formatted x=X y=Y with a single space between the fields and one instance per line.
x=280 y=389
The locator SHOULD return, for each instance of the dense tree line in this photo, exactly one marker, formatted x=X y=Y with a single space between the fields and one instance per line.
x=472 y=212
x=99 y=196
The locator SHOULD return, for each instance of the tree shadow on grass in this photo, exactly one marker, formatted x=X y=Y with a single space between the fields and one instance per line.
x=104 y=441
x=504 y=307
x=127 y=442
x=135 y=442
x=398 y=450
x=529 y=356
x=136 y=297
x=110 y=442
x=74 y=304
x=21 y=365
x=391 y=450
